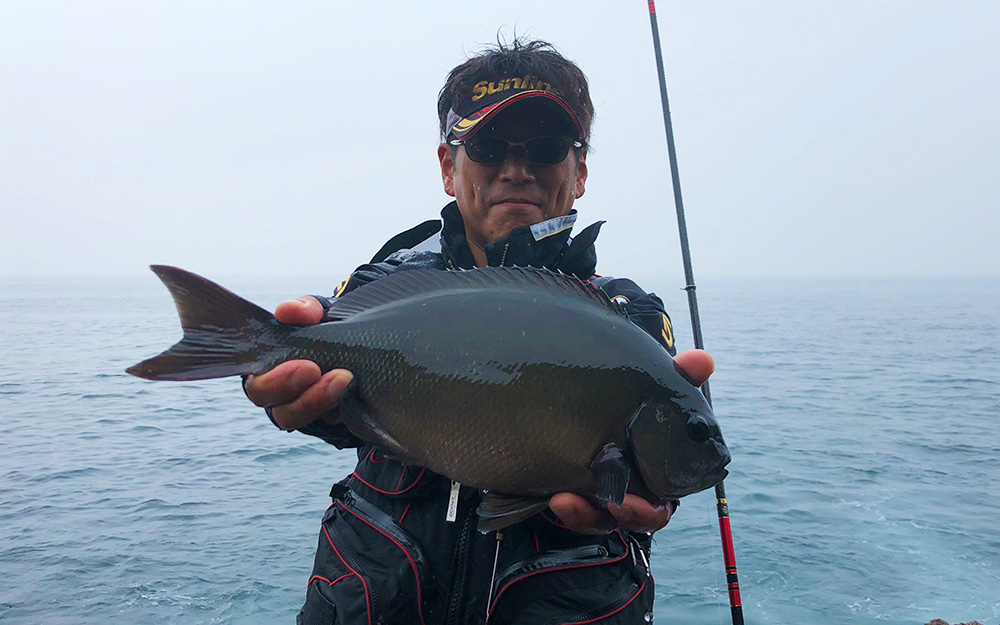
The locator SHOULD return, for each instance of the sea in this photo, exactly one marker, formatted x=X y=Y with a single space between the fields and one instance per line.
x=863 y=417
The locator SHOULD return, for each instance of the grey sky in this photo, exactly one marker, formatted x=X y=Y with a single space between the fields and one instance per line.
x=815 y=138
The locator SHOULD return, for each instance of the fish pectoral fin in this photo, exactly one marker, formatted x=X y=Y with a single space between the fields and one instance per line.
x=612 y=474
x=498 y=510
x=354 y=412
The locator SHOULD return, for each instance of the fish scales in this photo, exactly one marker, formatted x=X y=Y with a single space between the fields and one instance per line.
x=553 y=379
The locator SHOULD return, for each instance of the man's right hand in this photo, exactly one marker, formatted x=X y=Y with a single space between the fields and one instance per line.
x=295 y=390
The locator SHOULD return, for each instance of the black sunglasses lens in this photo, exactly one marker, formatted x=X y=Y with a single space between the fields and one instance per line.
x=490 y=150
x=540 y=150
x=547 y=150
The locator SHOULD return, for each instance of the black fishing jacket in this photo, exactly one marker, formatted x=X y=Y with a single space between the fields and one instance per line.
x=399 y=544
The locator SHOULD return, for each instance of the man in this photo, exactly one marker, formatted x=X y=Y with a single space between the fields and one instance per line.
x=399 y=544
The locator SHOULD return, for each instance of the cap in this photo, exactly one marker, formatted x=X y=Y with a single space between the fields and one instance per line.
x=489 y=97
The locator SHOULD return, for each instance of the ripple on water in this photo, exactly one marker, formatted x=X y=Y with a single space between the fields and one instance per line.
x=146 y=428
x=66 y=474
x=90 y=396
x=288 y=454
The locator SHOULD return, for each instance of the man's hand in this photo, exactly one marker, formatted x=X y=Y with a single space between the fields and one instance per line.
x=636 y=514
x=295 y=390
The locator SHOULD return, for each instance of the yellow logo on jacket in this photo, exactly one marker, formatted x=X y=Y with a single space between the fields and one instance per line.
x=668 y=331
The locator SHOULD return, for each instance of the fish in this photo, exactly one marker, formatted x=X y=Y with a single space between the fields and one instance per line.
x=519 y=381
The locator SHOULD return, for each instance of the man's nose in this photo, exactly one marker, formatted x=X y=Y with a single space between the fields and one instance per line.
x=516 y=167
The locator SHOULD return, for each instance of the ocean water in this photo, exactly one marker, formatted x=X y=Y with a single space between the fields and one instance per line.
x=864 y=420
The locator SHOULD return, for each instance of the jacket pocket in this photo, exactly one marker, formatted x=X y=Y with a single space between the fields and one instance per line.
x=367 y=571
x=318 y=608
x=607 y=584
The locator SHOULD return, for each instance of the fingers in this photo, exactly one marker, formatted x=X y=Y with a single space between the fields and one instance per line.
x=319 y=400
x=296 y=392
x=577 y=514
x=304 y=311
x=283 y=383
x=694 y=364
x=636 y=514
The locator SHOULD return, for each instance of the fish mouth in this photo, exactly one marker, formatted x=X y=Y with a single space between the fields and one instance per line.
x=720 y=472
x=718 y=475
x=721 y=466
x=702 y=482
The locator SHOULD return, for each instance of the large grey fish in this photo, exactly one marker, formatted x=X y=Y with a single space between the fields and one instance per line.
x=519 y=381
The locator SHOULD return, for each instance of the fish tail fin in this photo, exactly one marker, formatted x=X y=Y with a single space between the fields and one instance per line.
x=219 y=331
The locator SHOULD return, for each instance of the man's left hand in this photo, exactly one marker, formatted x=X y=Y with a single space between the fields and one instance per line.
x=636 y=514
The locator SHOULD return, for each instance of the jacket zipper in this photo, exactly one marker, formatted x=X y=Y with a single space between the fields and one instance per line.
x=461 y=564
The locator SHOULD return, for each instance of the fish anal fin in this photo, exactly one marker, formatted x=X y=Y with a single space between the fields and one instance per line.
x=499 y=510
x=612 y=473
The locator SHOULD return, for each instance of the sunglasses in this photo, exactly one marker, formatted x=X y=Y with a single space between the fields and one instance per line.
x=489 y=150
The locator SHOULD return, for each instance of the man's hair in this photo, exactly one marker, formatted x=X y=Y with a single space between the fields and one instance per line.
x=520 y=58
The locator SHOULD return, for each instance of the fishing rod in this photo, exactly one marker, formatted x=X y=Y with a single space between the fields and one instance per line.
x=722 y=506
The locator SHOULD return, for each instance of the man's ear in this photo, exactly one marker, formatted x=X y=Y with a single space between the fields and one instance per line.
x=447 y=168
x=581 y=174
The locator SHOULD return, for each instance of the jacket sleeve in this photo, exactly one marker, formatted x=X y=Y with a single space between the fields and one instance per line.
x=643 y=309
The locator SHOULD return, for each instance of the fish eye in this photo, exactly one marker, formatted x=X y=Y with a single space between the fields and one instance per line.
x=698 y=428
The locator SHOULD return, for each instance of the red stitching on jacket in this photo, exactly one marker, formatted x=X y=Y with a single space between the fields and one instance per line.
x=389 y=492
x=403 y=516
x=329 y=583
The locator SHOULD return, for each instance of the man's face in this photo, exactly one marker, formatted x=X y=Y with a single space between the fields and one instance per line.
x=495 y=199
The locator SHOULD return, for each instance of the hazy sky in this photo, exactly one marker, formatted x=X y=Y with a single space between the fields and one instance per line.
x=839 y=138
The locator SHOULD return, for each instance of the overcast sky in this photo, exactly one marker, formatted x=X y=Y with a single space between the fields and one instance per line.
x=840 y=138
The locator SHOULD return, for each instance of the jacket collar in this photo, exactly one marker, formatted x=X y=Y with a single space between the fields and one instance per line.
x=547 y=244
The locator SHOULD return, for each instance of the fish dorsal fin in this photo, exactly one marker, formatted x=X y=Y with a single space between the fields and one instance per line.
x=416 y=283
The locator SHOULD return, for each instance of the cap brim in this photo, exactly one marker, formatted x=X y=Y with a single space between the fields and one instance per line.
x=461 y=127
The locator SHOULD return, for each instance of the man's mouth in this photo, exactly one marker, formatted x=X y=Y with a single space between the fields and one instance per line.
x=516 y=204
